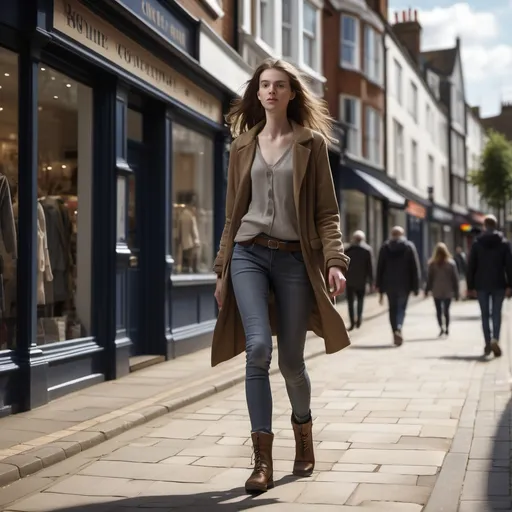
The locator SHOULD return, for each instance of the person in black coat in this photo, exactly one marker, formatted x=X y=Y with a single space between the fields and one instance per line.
x=489 y=278
x=398 y=275
x=360 y=273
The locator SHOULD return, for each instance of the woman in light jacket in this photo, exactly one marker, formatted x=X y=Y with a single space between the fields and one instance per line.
x=281 y=261
x=443 y=282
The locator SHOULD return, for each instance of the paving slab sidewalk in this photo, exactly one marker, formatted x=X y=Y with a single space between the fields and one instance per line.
x=49 y=434
x=419 y=428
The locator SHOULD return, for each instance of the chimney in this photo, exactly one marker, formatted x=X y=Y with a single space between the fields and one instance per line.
x=408 y=32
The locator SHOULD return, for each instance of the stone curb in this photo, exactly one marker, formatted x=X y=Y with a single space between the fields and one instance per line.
x=16 y=467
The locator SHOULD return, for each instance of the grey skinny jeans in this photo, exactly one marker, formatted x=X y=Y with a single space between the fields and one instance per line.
x=254 y=271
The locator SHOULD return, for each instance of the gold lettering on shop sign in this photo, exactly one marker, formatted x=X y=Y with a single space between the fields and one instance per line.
x=76 y=22
x=156 y=17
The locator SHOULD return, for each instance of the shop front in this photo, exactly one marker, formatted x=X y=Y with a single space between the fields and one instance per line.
x=440 y=227
x=367 y=202
x=112 y=171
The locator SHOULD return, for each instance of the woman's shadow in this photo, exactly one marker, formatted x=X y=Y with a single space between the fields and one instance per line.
x=231 y=500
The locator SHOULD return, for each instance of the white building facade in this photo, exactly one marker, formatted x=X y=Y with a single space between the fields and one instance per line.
x=288 y=29
x=417 y=148
x=475 y=144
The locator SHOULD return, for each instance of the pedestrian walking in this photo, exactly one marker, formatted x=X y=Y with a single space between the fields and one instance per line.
x=443 y=283
x=359 y=275
x=281 y=247
x=398 y=275
x=489 y=278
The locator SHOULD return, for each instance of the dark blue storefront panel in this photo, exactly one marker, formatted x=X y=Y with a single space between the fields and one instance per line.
x=171 y=320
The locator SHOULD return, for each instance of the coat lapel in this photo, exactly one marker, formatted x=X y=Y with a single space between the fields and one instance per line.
x=245 y=157
x=301 y=154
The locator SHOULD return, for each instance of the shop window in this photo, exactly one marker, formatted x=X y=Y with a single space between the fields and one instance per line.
x=355 y=212
x=192 y=189
x=8 y=196
x=64 y=208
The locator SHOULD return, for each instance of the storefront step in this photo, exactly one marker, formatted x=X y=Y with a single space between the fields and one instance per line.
x=141 y=362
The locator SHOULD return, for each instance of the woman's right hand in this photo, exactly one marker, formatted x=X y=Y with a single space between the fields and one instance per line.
x=218 y=292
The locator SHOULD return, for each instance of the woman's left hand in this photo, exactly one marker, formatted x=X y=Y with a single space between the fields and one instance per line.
x=337 y=281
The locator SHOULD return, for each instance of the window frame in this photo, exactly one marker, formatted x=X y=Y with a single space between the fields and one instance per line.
x=431 y=171
x=399 y=89
x=414 y=164
x=357 y=128
x=373 y=141
x=269 y=21
x=399 y=149
x=355 y=45
x=287 y=26
x=373 y=65
x=413 y=101
x=312 y=37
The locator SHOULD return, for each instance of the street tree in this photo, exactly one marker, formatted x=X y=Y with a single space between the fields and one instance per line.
x=493 y=178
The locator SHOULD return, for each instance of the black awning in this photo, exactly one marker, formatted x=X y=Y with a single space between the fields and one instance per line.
x=354 y=179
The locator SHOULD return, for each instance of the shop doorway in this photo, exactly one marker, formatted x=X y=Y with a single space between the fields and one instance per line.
x=138 y=196
x=136 y=163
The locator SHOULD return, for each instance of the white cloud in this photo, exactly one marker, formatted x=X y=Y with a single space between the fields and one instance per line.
x=442 y=25
x=487 y=61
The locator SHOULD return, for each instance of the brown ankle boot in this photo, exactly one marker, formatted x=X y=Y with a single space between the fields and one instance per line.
x=304 y=455
x=262 y=477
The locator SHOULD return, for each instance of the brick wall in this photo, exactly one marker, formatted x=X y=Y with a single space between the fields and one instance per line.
x=224 y=27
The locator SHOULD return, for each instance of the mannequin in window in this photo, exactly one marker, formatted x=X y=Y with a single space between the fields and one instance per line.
x=189 y=235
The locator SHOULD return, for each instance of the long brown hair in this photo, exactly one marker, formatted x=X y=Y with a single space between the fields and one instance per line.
x=441 y=254
x=305 y=109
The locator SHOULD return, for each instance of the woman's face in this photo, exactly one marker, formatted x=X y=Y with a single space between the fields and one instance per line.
x=275 y=91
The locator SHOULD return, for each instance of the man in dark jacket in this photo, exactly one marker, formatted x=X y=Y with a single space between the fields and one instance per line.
x=398 y=275
x=360 y=273
x=489 y=277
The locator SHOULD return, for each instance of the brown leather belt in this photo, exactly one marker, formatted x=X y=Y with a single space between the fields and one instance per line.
x=272 y=243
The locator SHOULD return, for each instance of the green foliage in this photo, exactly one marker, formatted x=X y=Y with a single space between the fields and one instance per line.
x=494 y=177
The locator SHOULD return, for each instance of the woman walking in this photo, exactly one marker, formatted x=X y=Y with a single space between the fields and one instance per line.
x=281 y=258
x=443 y=282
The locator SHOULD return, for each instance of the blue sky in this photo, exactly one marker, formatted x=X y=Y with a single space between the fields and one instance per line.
x=485 y=29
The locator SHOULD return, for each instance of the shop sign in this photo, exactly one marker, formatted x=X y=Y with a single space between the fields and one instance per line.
x=416 y=210
x=441 y=215
x=478 y=218
x=78 y=23
x=163 y=21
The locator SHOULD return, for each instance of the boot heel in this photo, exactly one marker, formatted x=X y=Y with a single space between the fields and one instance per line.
x=270 y=484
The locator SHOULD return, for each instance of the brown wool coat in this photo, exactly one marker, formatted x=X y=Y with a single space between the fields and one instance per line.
x=320 y=238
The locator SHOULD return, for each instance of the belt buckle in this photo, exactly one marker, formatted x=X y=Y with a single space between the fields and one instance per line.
x=273 y=244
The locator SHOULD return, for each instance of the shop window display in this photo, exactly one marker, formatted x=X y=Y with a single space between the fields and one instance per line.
x=8 y=195
x=192 y=228
x=64 y=207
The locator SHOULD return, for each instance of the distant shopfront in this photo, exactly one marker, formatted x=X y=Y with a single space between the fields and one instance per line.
x=368 y=202
x=108 y=235
x=440 y=227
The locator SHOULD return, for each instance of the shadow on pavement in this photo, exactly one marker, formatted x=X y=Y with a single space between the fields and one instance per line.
x=467 y=318
x=499 y=469
x=225 y=501
x=479 y=358
x=372 y=347
x=432 y=338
